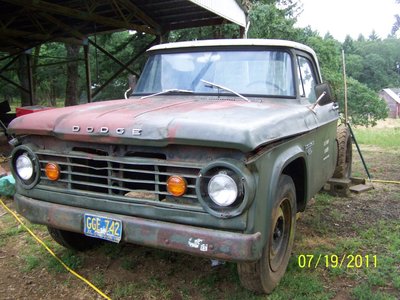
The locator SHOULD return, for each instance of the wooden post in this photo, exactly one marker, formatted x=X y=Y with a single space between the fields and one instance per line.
x=30 y=76
x=345 y=89
x=87 y=68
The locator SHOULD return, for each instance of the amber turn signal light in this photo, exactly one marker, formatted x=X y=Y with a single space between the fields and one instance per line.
x=176 y=185
x=52 y=171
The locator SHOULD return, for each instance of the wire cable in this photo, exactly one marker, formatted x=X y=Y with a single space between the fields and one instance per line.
x=53 y=254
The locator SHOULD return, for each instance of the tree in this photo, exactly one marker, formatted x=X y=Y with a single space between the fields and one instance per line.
x=24 y=79
x=361 y=38
x=396 y=25
x=71 y=94
x=269 y=21
x=373 y=36
x=348 y=44
x=50 y=74
x=374 y=62
x=364 y=105
x=354 y=65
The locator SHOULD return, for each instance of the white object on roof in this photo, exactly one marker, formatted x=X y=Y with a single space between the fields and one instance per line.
x=228 y=9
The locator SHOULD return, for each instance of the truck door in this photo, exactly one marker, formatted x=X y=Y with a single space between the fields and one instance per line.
x=322 y=157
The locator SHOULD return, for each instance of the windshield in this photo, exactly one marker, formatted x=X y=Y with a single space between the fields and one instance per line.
x=261 y=73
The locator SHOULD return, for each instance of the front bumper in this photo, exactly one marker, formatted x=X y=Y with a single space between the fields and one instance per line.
x=193 y=240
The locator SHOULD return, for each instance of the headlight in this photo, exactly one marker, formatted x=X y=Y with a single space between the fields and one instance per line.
x=24 y=167
x=225 y=188
x=222 y=189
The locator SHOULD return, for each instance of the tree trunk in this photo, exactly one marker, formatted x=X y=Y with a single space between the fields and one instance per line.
x=23 y=76
x=34 y=69
x=71 y=95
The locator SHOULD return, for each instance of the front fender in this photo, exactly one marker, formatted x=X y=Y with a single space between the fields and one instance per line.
x=270 y=165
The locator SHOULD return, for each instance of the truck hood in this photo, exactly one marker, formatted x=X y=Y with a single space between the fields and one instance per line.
x=160 y=121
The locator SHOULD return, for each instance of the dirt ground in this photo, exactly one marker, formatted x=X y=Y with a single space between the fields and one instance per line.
x=156 y=274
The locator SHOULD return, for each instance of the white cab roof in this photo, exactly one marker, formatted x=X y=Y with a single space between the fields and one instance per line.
x=234 y=42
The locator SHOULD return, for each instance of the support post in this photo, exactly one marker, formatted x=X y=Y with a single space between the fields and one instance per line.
x=163 y=37
x=346 y=120
x=87 y=69
x=30 y=76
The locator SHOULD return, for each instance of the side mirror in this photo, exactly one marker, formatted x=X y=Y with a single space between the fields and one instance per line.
x=132 y=79
x=324 y=94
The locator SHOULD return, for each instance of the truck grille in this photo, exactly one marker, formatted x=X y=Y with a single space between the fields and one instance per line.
x=140 y=176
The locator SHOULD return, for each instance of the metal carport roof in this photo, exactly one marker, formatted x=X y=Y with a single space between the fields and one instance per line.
x=27 y=23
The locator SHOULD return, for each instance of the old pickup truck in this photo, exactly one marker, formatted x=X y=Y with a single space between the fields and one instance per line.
x=219 y=146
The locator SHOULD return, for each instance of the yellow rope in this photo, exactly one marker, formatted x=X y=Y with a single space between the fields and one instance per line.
x=384 y=181
x=54 y=255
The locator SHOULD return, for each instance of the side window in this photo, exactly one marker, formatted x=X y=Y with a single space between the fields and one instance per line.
x=307 y=80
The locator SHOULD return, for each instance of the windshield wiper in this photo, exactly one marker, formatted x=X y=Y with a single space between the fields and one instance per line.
x=167 y=92
x=212 y=85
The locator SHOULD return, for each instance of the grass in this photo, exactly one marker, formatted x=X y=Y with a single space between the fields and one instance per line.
x=11 y=229
x=71 y=258
x=98 y=280
x=129 y=263
x=381 y=137
x=32 y=261
x=125 y=290
x=364 y=292
x=299 y=283
x=111 y=250
x=376 y=268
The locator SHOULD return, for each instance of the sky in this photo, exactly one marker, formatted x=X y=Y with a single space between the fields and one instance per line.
x=349 y=17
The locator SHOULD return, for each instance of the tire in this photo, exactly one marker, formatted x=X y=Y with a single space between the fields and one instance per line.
x=263 y=276
x=345 y=153
x=73 y=240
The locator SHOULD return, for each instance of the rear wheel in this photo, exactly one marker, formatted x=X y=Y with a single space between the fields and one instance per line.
x=345 y=153
x=73 y=240
x=264 y=275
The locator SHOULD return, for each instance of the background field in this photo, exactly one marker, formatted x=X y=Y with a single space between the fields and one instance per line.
x=366 y=224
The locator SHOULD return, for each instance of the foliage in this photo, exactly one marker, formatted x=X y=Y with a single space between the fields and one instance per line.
x=374 y=62
x=364 y=105
x=396 y=25
x=268 y=21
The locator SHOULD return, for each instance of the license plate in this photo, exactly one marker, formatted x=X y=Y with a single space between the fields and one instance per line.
x=103 y=228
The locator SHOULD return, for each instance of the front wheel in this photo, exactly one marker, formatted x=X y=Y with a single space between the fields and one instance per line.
x=73 y=240
x=264 y=275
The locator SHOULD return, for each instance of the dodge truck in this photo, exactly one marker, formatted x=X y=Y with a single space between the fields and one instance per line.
x=219 y=146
